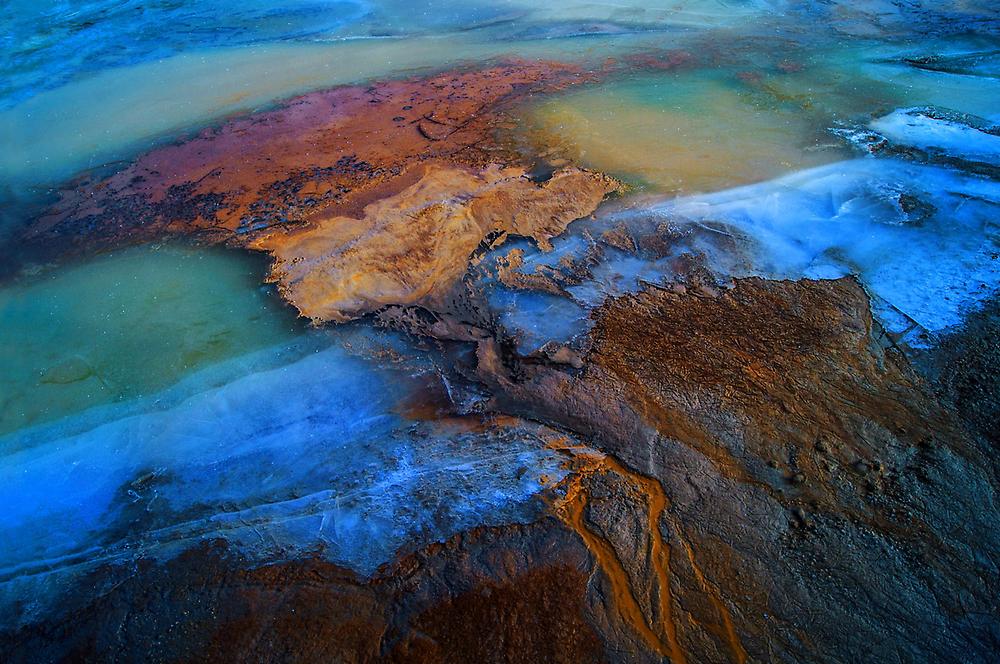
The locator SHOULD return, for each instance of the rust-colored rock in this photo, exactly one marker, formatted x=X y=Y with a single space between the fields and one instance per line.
x=331 y=152
x=773 y=483
x=769 y=483
x=365 y=196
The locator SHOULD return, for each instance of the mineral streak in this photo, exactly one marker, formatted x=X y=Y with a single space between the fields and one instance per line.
x=798 y=458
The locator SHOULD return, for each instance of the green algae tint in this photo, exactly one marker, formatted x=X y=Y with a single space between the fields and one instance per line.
x=127 y=324
x=698 y=130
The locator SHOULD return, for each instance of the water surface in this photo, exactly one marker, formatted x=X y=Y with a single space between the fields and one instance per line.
x=126 y=324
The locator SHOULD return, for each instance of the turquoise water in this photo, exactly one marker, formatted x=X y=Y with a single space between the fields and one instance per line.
x=127 y=325
x=718 y=130
x=95 y=83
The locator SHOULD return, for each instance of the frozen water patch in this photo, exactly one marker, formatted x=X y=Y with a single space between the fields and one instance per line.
x=924 y=240
x=923 y=128
x=310 y=457
x=535 y=319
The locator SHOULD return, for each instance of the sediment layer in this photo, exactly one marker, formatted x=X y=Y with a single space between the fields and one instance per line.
x=802 y=464
x=365 y=196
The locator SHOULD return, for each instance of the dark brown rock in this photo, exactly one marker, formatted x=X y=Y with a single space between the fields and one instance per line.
x=698 y=394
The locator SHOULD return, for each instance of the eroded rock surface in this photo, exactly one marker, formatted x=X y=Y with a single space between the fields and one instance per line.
x=366 y=197
x=412 y=248
x=806 y=472
x=515 y=594
x=965 y=367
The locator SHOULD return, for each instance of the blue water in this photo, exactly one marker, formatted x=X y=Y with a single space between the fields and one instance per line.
x=48 y=42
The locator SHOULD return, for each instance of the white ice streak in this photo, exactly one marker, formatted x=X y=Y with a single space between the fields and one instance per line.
x=922 y=239
x=284 y=461
x=920 y=128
